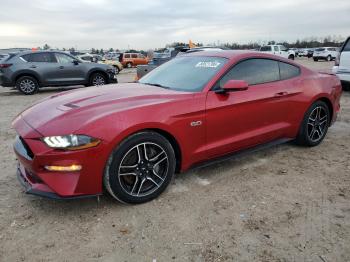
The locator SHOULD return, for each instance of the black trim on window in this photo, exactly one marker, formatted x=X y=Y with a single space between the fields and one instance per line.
x=216 y=86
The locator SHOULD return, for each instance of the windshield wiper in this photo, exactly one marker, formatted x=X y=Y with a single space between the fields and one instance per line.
x=155 y=84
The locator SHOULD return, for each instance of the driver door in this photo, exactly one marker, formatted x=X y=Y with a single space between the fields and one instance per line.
x=242 y=119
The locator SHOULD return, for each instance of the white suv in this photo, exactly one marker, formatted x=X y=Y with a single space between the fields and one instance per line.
x=325 y=53
x=342 y=65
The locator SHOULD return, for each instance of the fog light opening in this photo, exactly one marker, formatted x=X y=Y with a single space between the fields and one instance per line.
x=70 y=168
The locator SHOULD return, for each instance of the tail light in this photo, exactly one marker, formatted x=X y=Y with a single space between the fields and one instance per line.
x=5 y=65
x=337 y=59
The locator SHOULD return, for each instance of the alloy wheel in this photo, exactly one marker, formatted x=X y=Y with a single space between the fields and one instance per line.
x=143 y=169
x=317 y=124
x=98 y=81
x=27 y=86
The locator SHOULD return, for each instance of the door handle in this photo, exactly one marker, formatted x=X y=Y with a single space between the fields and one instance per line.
x=61 y=67
x=33 y=66
x=279 y=94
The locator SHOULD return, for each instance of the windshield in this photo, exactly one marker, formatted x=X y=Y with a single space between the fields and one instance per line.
x=319 y=49
x=185 y=73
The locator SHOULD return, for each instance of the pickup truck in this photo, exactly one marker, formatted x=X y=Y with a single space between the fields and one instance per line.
x=279 y=50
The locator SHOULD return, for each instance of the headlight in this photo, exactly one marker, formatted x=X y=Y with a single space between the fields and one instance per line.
x=71 y=142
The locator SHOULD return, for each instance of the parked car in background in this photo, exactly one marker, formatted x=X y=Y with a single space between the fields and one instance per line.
x=113 y=61
x=129 y=60
x=90 y=58
x=28 y=71
x=325 y=53
x=98 y=59
x=278 y=50
x=197 y=107
x=303 y=52
x=296 y=51
x=342 y=65
x=310 y=52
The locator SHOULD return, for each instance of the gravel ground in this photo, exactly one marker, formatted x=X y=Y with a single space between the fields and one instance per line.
x=286 y=203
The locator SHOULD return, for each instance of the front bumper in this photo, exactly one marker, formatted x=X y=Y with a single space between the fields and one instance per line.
x=33 y=155
x=40 y=189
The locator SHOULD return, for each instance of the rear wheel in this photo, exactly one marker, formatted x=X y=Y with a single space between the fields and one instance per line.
x=129 y=65
x=140 y=168
x=315 y=125
x=329 y=58
x=315 y=59
x=291 y=57
x=27 y=85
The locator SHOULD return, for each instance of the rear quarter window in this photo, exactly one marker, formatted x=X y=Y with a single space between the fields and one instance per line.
x=288 y=71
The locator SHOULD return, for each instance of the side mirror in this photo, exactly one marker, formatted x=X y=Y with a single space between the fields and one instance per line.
x=234 y=85
x=76 y=62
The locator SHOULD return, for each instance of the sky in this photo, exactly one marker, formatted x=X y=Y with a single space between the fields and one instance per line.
x=135 y=24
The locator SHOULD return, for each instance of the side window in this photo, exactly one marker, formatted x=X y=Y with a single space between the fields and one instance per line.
x=41 y=58
x=253 y=71
x=133 y=55
x=275 y=48
x=127 y=56
x=347 y=45
x=265 y=48
x=288 y=71
x=26 y=58
x=63 y=58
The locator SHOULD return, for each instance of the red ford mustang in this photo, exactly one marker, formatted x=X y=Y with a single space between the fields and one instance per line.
x=132 y=138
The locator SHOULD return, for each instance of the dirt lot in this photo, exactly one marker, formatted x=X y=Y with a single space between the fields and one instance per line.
x=285 y=203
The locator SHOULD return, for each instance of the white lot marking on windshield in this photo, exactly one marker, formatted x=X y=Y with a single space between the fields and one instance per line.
x=213 y=64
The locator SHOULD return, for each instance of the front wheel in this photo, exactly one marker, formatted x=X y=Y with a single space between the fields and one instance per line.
x=97 y=79
x=140 y=168
x=129 y=65
x=329 y=58
x=315 y=59
x=315 y=125
x=291 y=57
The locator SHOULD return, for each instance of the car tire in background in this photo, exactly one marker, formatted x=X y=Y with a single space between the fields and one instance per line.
x=97 y=79
x=27 y=85
x=315 y=125
x=291 y=57
x=329 y=58
x=140 y=168
x=128 y=65
x=315 y=59
x=116 y=70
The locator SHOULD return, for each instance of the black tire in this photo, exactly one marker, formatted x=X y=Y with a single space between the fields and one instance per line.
x=329 y=58
x=128 y=65
x=315 y=125
x=97 y=79
x=131 y=177
x=291 y=57
x=345 y=85
x=315 y=59
x=116 y=70
x=27 y=85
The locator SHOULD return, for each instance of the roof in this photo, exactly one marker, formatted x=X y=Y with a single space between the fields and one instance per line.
x=225 y=53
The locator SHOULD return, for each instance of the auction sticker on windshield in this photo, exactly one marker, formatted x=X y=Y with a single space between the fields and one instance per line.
x=212 y=64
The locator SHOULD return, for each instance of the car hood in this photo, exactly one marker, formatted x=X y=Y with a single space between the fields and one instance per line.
x=67 y=112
